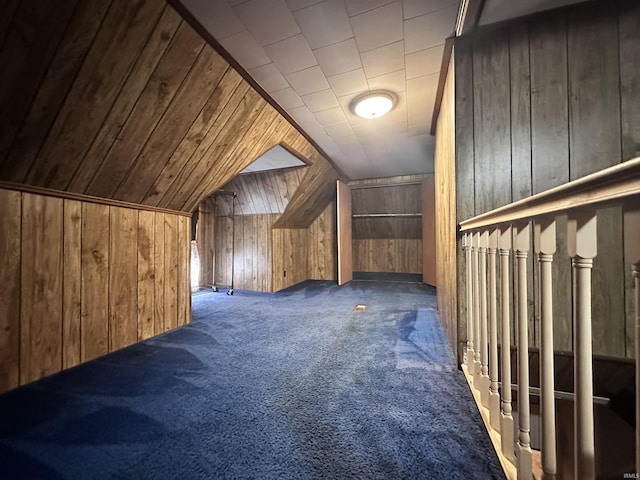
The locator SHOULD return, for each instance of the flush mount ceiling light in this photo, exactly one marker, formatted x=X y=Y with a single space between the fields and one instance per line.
x=373 y=104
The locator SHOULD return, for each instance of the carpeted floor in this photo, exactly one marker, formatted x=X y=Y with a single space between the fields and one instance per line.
x=292 y=385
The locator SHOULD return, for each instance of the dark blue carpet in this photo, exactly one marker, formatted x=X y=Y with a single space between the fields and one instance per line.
x=291 y=385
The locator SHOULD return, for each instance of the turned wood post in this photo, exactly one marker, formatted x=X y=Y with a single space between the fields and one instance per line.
x=632 y=254
x=506 y=419
x=494 y=396
x=545 y=247
x=582 y=246
x=522 y=243
x=484 y=342
x=469 y=286
x=477 y=365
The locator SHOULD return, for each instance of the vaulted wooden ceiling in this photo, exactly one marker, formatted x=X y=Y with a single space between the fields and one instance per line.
x=122 y=99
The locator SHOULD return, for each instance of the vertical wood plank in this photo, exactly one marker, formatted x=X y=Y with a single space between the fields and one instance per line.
x=170 y=271
x=10 y=257
x=550 y=148
x=160 y=278
x=41 y=287
x=629 y=40
x=277 y=259
x=123 y=278
x=95 y=281
x=491 y=107
x=72 y=301
x=595 y=143
x=146 y=275
x=345 y=242
x=429 y=232
x=184 y=268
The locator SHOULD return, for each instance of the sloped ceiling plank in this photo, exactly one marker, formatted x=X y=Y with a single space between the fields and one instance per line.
x=195 y=136
x=242 y=100
x=62 y=72
x=163 y=85
x=113 y=53
x=237 y=155
x=186 y=106
x=249 y=109
x=27 y=52
x=145 y=65
x=315 y=192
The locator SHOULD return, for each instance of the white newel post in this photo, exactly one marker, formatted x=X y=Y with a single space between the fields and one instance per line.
x=494 y=396
x=545 y=247
x=506 y=419
x=523 y=239
x=477 y=365
x=582 y=247
x=632 y=255
x=469 y=286
x=484 y=342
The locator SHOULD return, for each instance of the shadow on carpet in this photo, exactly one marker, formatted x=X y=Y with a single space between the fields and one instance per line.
x=291 y=385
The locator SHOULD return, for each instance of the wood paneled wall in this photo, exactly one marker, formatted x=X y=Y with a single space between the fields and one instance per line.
x=263 y=253
x=81 y=279
x=542 y=102
x=261 y=193
x=205 y=241
x=387 y=244
x=445 y=213
x=305 y=254
x=123 y=99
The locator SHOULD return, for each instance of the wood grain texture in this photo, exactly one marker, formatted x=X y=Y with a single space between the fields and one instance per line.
x=170 y=272
x=445 y=214
x=95 y=281
x=206 y=239
x=146 y=275
x=184 y=271
x=41 y=287
x=391 y=255
x=322 y=246
x=10 y=259
x=72 y=294
x=123 y=278
x=106 y=66
x=125 y=100
x=429 y=246
x=159 y=266
x=629 y=39
x=344 y=233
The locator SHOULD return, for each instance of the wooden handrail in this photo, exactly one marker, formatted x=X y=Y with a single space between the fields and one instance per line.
x=612 y=185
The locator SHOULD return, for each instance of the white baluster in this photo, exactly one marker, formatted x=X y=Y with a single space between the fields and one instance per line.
x=470 y=327
x=545 y=247
x=506 y=420
x=484 y=343
x=582 y=246
x=477 y=365
x=494 y=396
x=632 y=254
x=522 y=238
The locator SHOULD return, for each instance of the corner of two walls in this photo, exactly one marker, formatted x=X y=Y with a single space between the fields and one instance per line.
x=82 y=279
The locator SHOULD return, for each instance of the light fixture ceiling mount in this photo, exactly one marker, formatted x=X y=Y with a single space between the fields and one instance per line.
x=373 y=104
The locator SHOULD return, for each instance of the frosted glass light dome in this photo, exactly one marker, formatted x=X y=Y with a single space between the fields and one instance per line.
x=373 y=105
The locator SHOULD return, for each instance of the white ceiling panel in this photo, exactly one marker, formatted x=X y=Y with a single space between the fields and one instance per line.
x=292 y=54
x=269 y=21
x=274 y=159
x=287 y=98
x=424 y=62
x=338 y=58
x=383 y=60
x=308 y=81
x=349 y=82
x=298 y=4
x=414 y=8
x=324 y=23
x=429 y=30
x=269 y=77
x=394 y=82
x=322 y=100
x=243 y=47
x=216 y=16
x=330 y=116
x=378 y=27
x=355 y=7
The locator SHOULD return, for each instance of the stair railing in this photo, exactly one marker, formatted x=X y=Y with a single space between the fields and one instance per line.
x=507 y=231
